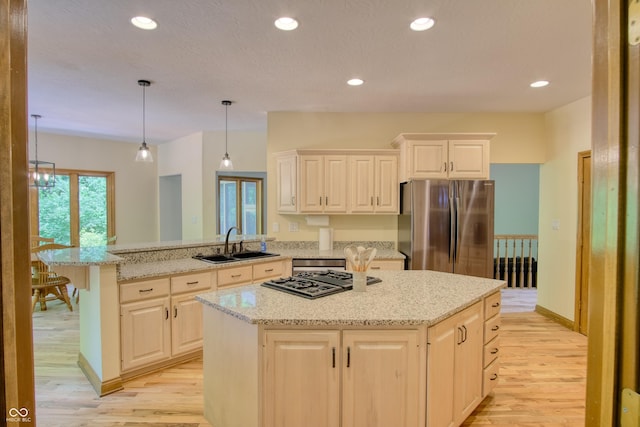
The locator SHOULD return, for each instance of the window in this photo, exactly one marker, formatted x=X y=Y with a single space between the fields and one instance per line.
x=240 y=204
x=78 y=210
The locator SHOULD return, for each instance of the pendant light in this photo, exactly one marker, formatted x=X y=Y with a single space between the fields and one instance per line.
x=144 y=154
x=226 y=163
x=41 y=174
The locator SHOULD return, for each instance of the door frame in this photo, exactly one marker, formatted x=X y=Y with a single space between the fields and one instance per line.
x=581 y=256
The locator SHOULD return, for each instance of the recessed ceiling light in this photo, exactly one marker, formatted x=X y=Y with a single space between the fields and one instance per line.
x=539 y=83
x=144 y=22
x=422 y=24
x=286 y=24
x=355 y=82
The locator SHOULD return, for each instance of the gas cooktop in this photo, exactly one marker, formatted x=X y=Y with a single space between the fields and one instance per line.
x=316 y=284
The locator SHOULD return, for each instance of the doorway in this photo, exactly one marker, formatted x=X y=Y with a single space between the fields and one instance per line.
x=170 y=190
x=583 y=244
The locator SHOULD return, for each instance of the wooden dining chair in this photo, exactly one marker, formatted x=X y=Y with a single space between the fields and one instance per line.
x=39 y=240
x=46 y=285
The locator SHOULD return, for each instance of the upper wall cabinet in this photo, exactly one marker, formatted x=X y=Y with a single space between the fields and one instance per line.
x=337 y=181
x=448 y=156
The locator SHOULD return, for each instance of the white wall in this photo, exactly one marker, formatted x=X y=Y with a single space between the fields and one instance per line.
x=568 y=132
x=183 y=157
x=136 y=183
x=519 y=139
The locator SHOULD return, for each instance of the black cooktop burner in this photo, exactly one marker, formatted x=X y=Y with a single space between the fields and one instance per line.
x=316 y=284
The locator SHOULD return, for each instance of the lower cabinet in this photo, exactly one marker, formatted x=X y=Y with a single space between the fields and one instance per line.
x=161 y=319
x=455 y=367
x=350 y=378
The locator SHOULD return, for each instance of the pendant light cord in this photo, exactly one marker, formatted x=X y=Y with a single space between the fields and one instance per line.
x=226 y=128
x=36 y=117
x=144 y=109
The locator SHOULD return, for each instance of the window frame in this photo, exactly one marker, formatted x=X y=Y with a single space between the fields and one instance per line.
x=260 y=200
x=74 y=203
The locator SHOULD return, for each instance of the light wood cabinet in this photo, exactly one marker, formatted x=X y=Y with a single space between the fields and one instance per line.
x=287 y=183
x=235 y=276
x=252 y=273
x=323 y=183
x=454 y=368
x=301 y=379
x=491 y=362
x=373 y=184
x=186 y=312
x=160 y=318
x=444 y=156
x=337 y=181
x=379 y=372
x=145 y=327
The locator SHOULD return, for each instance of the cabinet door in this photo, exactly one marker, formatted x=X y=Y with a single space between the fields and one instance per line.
x=380 y=381
x=286 y=187
x=301 y=379
x=442 y=338
x=186 y=324
x=468 y=363
x=311 y=184
x=361 y=173
x=469 y=159
x=454 y=367
x=428 y=159
x=145 y=332
x=335 y=184
x=386 y=184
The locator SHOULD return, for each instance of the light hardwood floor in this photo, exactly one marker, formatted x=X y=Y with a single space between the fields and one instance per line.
x=543 y=371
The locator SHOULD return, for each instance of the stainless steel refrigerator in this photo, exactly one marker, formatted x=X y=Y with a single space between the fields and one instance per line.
x=447 y=226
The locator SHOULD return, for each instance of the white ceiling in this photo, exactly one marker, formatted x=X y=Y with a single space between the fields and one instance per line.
x=85 y=59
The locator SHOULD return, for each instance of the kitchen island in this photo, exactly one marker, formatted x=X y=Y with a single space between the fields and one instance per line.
x=418 y=348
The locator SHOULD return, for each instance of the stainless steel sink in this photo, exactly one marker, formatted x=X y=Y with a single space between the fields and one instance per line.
x=240 y=256
x=252 y=254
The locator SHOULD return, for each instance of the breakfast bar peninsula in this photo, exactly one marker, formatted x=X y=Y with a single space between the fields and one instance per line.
x=417 y=348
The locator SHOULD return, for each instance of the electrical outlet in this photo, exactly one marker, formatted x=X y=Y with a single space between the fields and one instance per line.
x=275 y=227
x=293 y=227
x=555 y=224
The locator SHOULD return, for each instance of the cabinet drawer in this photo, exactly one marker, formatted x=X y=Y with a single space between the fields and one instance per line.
x=191 y=282
x=492 y=305
x=235 y=276
x=491 y=328
x=137 y=291
x=268 y=269
x=490 y=377
x=387 y=264
x=491 y=351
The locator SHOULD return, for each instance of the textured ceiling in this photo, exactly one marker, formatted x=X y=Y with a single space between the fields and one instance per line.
x=85 y=59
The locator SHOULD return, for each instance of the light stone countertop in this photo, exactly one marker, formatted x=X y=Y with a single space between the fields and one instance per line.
x=403 y=298
x=335 y=253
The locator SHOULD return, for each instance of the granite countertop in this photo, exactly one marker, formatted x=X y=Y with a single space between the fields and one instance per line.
x=82 y=256
x=177 y=266
x=403 y=298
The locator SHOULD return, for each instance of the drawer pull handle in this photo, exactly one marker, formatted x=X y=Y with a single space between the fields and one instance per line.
x=193 y=283
x=495 y=304
x=333 y=356
x=268 y=270
x=142 y=291
x=494 y=377
x=494 y=351
x=495 y=328
x=236 y=275
x=375 y=268
x=348 y=357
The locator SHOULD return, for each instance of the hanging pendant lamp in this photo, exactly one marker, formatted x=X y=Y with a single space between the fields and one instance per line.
x=226 y=163
x=144 y=154
x=41 y=174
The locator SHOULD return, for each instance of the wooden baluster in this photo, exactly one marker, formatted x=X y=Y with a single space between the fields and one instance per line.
x=530 y=269
x=521 y=275
x=513 y=264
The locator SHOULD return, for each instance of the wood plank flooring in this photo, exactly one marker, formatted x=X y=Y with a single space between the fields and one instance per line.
x=543 y=372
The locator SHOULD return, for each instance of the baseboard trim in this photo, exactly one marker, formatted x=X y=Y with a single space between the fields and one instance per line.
x=102 y=388
x=555 y=317
x=135 y=373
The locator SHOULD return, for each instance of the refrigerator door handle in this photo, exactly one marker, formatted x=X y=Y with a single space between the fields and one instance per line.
x=457 y=235
x=452 y=221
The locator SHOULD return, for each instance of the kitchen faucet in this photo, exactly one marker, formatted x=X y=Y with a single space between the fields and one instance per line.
x=226 y=240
